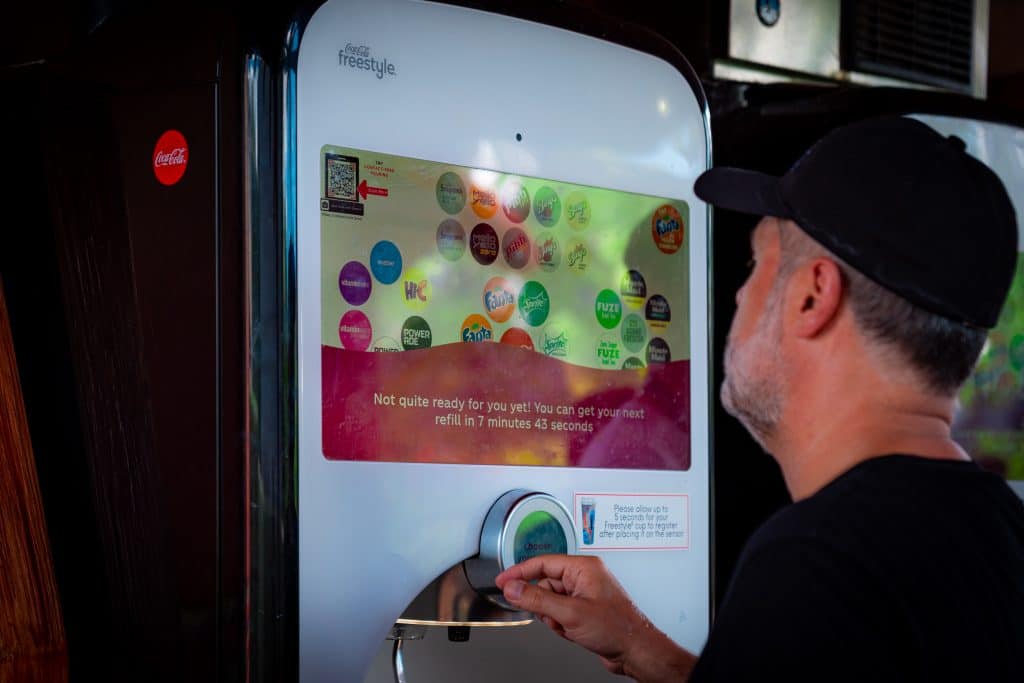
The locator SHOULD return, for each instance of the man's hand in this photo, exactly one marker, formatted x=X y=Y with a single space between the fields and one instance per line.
x=578 y=598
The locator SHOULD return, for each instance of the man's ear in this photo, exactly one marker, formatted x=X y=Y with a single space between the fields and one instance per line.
x=815 y=291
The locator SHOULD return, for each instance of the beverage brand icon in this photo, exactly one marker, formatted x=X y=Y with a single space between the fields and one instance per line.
x=354 y=283
x=451 y=193
x=483 y=200
x=577 y=210
x=534 y=303
x=354 y=331
x=170 y=157
x=415 y=289
x=547 y=207
x=577 y=257
x=633 y=288
x=499 y=299
x=668 y=229
x=608 y=309
x=476 y=328
x=547 y=252
x=515 y=247
x=658 y=312
x=483 y=244
x=451 y=239
x=515 y=201
x=416 y=334
x=517 y=337
x=634 y=333
x=385 y=262
x=658 y=351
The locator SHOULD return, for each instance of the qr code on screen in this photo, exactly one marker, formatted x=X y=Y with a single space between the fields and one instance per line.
x=342 y=177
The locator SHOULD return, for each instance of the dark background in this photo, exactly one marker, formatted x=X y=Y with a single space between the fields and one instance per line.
x=128 y=309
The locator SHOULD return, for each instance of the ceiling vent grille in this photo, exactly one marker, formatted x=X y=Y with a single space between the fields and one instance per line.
x=926 y=41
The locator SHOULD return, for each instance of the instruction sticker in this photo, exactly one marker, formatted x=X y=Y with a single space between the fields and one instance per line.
x=632 y=521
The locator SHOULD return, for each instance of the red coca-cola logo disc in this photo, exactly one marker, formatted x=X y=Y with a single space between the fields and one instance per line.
x=170 y=157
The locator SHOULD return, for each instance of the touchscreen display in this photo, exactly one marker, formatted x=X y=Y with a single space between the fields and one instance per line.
x=475 y=317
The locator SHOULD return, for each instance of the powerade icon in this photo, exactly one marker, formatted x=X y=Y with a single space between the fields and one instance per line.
x=658 y=312
x=451 y=193
x=658 y=352
x=499 y=299
x=483 y=244
x=633 y=288
x=515 y=201
x=475 y=328
x=386 y=345
x=608 y=309
x=415 y=289
x=515 y=247
x=415 y=334
x=668 y=229
x=451 y=239
x=354 y=283
x=534 y=303
x=548 y=254
x=547 y=207
x=385 y=262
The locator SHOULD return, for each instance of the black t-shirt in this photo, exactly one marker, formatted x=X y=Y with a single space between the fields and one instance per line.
x=902 y=569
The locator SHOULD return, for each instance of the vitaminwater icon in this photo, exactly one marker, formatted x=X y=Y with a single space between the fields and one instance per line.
x=633 y=288
x=658 y=312
x=451 y=239
x=476 y=328
x=415 y=289
x=515 y=247
x=515 y=201
x=499 y=299
x=658 y=351
x=634 y=333
x=483 y=244
x=354 y=283
x=608 y=309
x=556 y=342
x=386 y=345
x=483 y=200
x=577 y=210
x=668 y=228
x=577 y=257
x=588 y=517
x=609 y=351
x=547 y=207
x=385 y=262
x=517 y=336
x=416 y=334
x=548 y=254
x=451 y=193
x=534 y=303
x=354 y=331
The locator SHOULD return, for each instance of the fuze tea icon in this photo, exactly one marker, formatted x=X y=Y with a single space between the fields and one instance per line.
x=587 y=511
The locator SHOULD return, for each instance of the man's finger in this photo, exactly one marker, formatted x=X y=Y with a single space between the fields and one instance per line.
x=542 y=602
x=540 y=567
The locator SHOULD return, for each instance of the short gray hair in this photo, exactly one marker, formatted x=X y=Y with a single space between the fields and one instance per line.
x=942 y=352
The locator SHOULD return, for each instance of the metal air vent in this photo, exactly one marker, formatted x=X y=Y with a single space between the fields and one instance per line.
x=925 y=41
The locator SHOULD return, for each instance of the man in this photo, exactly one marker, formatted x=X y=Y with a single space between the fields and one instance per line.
x=884 y=254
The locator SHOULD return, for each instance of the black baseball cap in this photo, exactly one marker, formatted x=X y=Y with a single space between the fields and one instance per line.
x=907 y=207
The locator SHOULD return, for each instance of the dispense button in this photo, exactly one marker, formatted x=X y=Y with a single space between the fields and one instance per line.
x=540 y=533
x=521 y=524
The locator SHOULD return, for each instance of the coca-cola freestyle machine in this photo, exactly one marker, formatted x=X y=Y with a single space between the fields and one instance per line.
x=501 y=301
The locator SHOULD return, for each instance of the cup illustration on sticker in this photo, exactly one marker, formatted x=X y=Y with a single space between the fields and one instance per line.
x=587 y=511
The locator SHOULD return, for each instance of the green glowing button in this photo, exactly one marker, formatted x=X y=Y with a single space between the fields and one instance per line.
x=540 y=533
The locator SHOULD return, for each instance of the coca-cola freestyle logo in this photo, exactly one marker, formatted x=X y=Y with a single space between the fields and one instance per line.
x=358 y=57
x=170 y=157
